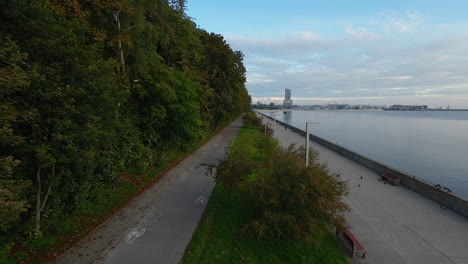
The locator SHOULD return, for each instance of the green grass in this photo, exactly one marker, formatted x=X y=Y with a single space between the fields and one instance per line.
x=220 y=238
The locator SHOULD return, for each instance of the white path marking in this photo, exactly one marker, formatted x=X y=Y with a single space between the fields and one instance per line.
x=134 y=234
x=201 y=200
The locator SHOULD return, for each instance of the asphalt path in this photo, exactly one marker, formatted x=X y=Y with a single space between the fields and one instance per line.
x=157 y=226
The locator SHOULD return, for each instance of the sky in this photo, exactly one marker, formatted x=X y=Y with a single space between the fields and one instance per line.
x=350 y=52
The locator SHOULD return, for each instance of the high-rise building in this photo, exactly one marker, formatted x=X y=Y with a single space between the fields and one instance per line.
x=287 y=94
x=287 y=103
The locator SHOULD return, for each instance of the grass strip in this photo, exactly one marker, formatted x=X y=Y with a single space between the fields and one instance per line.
x=219 y=237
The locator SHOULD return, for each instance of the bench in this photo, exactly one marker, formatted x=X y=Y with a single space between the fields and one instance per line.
x=357 y=249
x=395 y=180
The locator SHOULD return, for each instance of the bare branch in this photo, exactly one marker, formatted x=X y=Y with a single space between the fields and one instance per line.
x=131 y=27
x=45 y=198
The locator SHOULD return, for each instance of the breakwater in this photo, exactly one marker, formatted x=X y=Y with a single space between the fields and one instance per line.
x=450 y=200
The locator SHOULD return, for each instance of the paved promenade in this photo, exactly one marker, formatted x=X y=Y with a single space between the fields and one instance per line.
x=157 y=226
x=395 y=225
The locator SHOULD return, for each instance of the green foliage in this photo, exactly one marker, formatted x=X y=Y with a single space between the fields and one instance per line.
x=13 y=78
x=289 y=200
x=11 y=201
x=219 y=237
x=91 y=90
x=251 y=120
x=225 y=74
x=293 y=201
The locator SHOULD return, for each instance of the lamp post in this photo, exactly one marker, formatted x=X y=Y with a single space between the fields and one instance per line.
x=307 y=142
x=274 y=121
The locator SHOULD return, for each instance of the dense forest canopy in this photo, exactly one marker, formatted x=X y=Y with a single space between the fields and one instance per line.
x=90 y=89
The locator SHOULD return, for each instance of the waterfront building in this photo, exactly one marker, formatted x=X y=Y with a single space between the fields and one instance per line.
x=287 y=103
x=408 y=107
x=337 y=106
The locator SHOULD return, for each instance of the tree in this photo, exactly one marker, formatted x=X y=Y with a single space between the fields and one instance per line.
x=179 y=5
x=94 y=89
x=225 y=75
x=13 y=77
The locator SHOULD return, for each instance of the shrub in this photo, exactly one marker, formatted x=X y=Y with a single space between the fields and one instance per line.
x=231 y=173
x=294 y=201
x=243 y=159
x=288 y=199
x=251 y=120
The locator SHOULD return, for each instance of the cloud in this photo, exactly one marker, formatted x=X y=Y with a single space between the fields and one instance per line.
x=283 y=43
x=369 y=61
x=360 y=33
x=403 y=22
x=337 y=91
x=403 y=77
x=256 y=78
x=408 y=24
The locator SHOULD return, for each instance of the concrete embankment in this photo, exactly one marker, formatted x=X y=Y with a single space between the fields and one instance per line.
x=450 y=200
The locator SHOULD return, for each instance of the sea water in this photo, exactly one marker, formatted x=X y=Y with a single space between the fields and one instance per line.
x=432 y=145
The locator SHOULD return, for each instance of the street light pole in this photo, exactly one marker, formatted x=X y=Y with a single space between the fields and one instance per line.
x=307 y=142
x=274 y=121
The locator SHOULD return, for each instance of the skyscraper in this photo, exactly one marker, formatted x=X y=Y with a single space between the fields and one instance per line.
x=287 y=103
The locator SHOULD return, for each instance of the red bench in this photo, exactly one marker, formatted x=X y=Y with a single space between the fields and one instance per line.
x=356 y=247
x=395 y=180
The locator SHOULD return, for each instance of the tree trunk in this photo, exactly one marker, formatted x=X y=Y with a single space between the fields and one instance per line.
x=38 y=200
x=122 y=57
x=40 y=205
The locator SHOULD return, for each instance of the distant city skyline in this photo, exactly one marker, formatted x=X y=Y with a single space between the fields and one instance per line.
x=375 y=101
x=378 y=52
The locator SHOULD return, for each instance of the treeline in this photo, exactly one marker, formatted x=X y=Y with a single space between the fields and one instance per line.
x=90 y=89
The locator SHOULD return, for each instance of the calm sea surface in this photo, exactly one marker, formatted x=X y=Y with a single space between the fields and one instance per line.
x=432 y=145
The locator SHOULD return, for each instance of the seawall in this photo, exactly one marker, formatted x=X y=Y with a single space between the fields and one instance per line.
x=450 y=200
